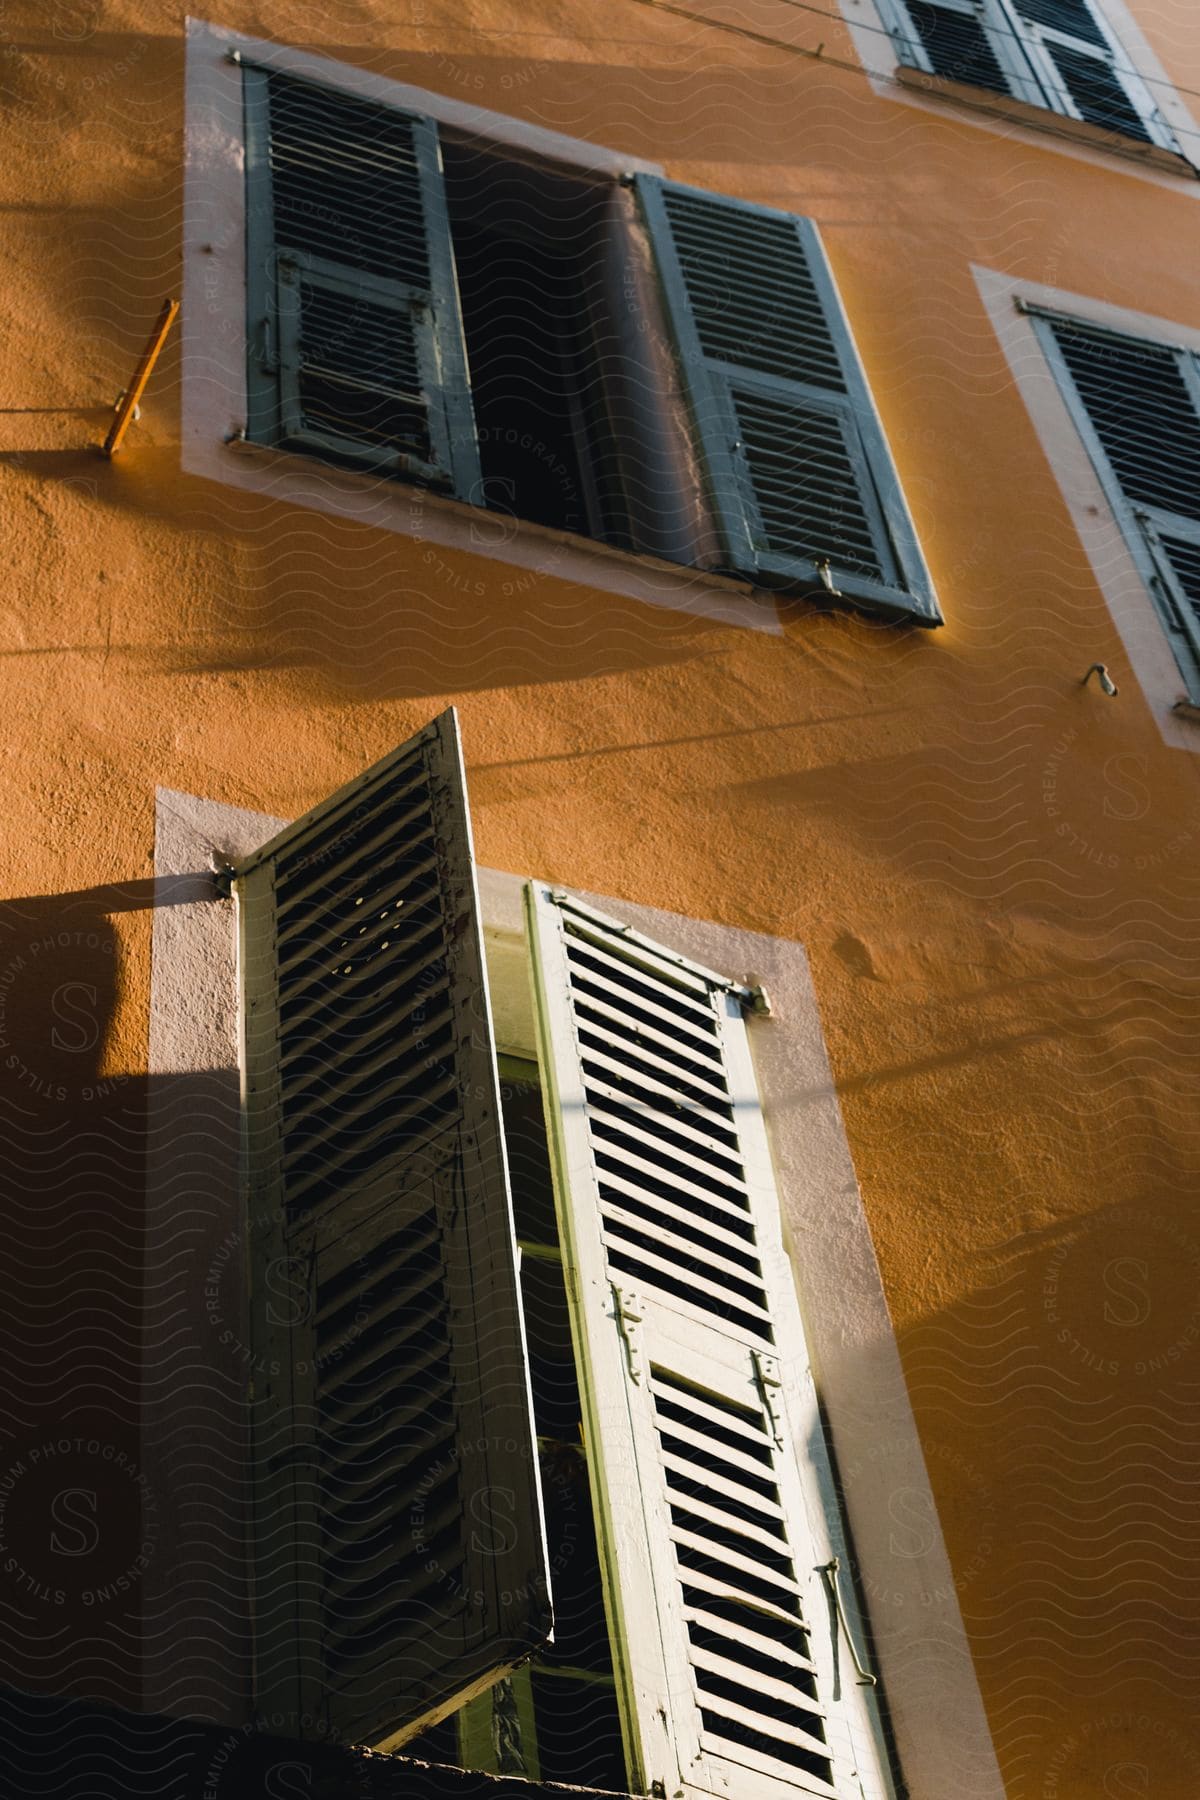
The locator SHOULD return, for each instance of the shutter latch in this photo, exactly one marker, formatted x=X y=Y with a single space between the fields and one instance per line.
x=830 y=1571
x=625 y=1317
x=825 y=571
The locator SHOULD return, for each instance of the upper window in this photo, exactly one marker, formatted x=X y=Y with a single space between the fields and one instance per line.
x=1137 y=406
x=1059 y=54
x=426 y=305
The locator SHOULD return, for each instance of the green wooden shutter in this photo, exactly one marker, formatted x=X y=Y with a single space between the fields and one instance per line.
x=398 y=1552
x=356 y=347
x=1136 y=404
x=699 y=1405
x=801 y=479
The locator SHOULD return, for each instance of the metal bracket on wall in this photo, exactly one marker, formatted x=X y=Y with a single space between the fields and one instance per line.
x=126 y=405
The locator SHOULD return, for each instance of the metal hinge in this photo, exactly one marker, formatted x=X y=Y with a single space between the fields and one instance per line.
x=766 y=1377
x=624 y=1318
x=825 y=571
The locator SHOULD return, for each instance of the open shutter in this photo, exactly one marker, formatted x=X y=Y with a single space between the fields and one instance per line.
x=801 y=480
x=1085 y=72
x=355 y=335
x=699 y=1405
x=398 y=1552
x=1136 y=405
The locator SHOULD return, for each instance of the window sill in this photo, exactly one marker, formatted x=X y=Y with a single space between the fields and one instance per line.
x=538 y=550
x=1049 y=123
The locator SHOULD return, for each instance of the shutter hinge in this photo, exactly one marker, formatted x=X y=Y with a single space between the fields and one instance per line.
x=223 y=873
x=755 y=998
x=766 y=1377
x=624 y=1318
x=830 y=1571
x=825 y=571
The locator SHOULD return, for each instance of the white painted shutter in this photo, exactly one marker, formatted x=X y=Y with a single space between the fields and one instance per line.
x=398 y=1553
x=705 y=1440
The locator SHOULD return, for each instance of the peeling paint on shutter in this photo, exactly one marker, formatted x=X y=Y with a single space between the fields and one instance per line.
x=699 y=1407
x=801 y=479
x=398 y=1551
x=356 y=340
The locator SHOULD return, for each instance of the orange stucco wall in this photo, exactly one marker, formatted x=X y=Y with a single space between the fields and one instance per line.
x=1009 y=1005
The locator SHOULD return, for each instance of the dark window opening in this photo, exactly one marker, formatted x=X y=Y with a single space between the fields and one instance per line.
x=528 y=244
x=556 y=1719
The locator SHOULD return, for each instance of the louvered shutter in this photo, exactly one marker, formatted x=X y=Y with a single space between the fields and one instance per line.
x=356 y=349
x=958 y=40
x=1084 y=70
x=1137 y=407
x=699 y=1404
x=801 y=479
x=398 y=1552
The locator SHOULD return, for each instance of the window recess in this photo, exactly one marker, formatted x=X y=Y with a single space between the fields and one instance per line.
x=1136 y=404
x=547 y=346
x=1057 y=54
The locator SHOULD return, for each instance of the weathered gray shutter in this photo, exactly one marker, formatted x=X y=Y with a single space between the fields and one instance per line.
x=955 y=39
x=968 y=41
x=1136 y=405
x=356 y=348
x=801 y=479
x=1084 y=70
x=699 y=1404
x=398 y=1551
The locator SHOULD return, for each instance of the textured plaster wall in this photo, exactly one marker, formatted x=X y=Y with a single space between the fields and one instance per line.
x=994 y=871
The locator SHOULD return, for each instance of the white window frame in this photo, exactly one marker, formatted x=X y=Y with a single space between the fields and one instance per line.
x=1120 y=571
x=920 y=1644
x=1046 y=116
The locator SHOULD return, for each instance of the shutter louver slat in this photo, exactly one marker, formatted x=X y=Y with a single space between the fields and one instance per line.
x=1098 y=92
x=1142 y=412
x=800 y=477
x=356 y=340
x=1136 y=404
x=679 y=1291
x=957 y=46
x=1074 y=17
x=390 y=1379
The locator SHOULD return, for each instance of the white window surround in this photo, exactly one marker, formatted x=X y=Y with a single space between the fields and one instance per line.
x=1117 y=575
x=1010 y=117
x=194 y=1273
x=214 y=352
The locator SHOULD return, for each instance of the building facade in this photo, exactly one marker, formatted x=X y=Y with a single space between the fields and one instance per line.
x=595 y=1001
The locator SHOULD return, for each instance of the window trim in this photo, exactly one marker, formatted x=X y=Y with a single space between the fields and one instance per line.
x=1115 y=547
x=1046 y=125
